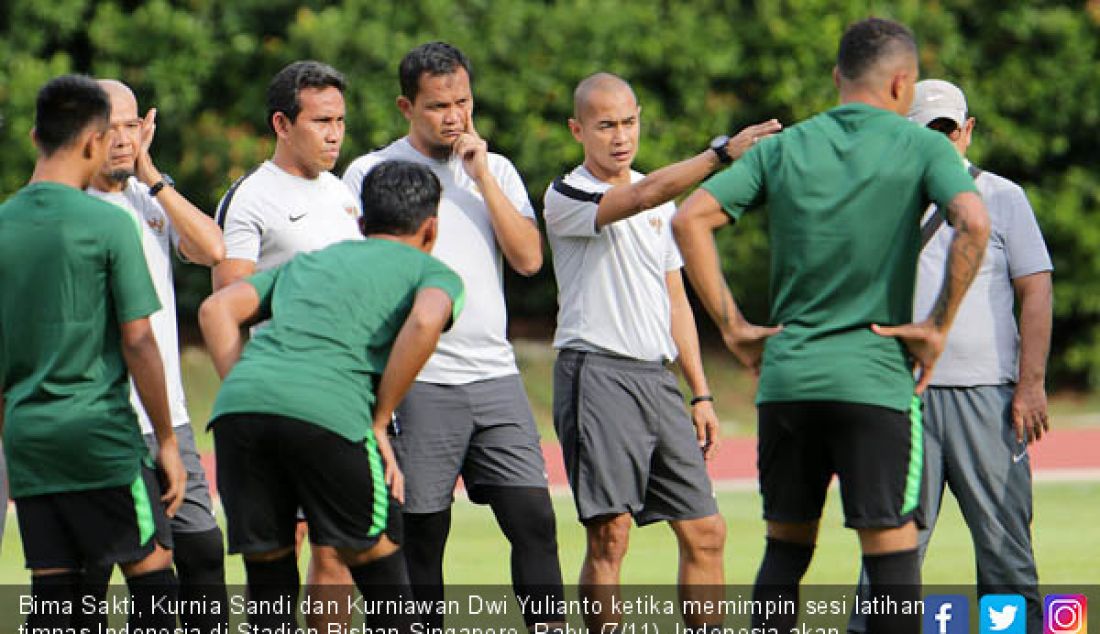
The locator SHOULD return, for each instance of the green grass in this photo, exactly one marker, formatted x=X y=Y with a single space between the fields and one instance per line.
x=1066 y=542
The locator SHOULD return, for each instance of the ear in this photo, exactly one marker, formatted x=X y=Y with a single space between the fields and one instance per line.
x=281 y=123
x=405 y=106
x=836 y=76
x=575 y=128
x=429 y=231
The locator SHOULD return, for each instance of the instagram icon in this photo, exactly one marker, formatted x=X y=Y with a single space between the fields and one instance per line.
x=1065 y=614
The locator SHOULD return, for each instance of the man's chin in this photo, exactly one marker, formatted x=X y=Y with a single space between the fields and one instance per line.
x=120 y=175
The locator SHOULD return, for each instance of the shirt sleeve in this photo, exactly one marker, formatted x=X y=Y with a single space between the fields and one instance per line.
x=264 y=283
x=945 y=174
x=569 y=217
x=512 y=186
x=243 y=225
x=439 y=275
x=740 y=186
x=131 y=287
x=1025 y=248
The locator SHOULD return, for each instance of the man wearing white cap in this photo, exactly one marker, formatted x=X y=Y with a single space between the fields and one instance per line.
x=987 y=399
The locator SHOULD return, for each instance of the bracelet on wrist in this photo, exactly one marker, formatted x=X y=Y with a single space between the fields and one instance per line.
x=701 y=398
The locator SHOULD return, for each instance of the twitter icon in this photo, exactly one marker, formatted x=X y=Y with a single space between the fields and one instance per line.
x=1002 y=613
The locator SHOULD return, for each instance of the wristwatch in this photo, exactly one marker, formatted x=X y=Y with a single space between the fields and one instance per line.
x=718 y=144
x=165 y=181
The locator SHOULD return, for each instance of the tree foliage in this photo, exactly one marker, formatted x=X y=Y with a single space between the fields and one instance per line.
x=1029 y=69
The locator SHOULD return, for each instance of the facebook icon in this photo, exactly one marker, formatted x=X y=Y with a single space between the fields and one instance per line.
x=946 y=614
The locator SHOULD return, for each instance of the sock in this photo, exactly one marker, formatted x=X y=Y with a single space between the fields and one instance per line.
x=95 y=583
x=386 y=579
x=145 y=590
x=274 y=582
x=423 y=543
x=777 y=581
x=894 y=579
x=58 y=588
x=200 y=564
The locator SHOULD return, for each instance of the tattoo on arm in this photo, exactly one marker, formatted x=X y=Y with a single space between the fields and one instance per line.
x=964 y=258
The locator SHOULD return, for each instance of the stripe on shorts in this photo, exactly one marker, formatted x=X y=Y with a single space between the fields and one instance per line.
x=380 y=506
x=916 y=457
x=142 y=509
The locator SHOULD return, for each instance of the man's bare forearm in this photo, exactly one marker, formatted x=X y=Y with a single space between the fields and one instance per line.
x=1036 y=305
x=685 y=335
x=415 y=342
x=970 y=220
x=142 y=356
x=659 y=187
x=694 y=225
x=516 y=234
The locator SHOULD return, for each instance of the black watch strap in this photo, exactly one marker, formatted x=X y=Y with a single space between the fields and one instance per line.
x=718 y=145
x=165 y=181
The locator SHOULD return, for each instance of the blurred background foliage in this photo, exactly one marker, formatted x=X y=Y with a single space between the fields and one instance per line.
x=700 y=68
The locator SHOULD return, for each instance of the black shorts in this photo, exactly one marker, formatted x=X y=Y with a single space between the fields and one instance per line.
x=875 y=452
x=98 y=527
x=269 y=466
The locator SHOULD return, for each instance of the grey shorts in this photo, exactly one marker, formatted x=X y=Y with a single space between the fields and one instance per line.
x=628 y=441
x=196 y=515
x=483 y=431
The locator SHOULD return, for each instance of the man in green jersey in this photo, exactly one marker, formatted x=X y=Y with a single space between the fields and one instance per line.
x=350 y=327
x=75 y=297
x=845 y=191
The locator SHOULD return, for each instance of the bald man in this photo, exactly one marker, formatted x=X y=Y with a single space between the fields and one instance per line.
x=630 y=447
x=845 y=191
x=166 y=221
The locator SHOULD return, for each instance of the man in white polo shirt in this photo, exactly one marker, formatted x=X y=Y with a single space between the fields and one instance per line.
x=467 y=414
x=630 y=448
x=288 y=205
x=167 y=221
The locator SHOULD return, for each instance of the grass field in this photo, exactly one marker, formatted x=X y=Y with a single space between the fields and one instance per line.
x=1066 y=541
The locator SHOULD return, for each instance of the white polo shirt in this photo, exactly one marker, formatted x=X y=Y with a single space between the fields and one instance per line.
x=612 y=295
x=475 y=348
x=269 y=215
x=158 y=239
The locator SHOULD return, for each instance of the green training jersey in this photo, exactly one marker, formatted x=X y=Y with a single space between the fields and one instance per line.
x=334 y=316
x=71 y=271
x=845 y=191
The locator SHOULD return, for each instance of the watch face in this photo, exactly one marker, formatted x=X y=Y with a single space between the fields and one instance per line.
x=168 y=180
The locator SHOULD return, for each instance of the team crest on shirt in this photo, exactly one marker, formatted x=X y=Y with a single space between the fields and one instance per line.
x=352 y=211
x=156 y=224
x=656 y=222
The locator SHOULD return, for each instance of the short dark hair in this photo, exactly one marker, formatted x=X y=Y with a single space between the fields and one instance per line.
x=285 y=86
x=65 y=107
x=868 y=41
x=397 y=197
x=434 y=58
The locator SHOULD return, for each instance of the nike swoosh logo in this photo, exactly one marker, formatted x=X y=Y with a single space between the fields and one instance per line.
x=294 y=218
x=1017 y=458
x=934 y=97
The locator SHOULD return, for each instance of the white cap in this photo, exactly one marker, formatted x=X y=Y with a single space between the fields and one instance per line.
x=938 y=99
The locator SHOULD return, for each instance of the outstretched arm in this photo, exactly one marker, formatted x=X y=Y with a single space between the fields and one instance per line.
x=925 y=340
x=415 y=342
x=694 y=225
x=661 y=186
